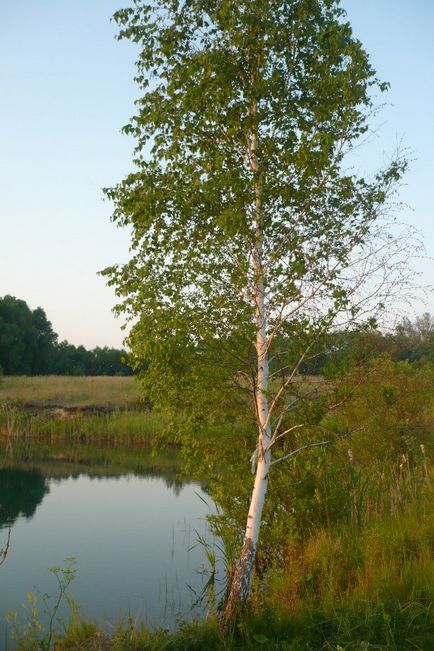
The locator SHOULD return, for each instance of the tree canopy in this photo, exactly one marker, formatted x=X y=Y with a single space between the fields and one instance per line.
x=212 y=74
x=27 y=339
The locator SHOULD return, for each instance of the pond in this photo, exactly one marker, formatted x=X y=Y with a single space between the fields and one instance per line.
x=130 y=525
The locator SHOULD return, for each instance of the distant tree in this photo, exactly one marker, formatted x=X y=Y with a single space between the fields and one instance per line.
x=74 y=360
x=29 y=346
x=421 y=329
x=414 y=340
x=333 y=352
x=27 y=339
x=62 y=364
x=15 y=324
x=109 y=361
x=44 y=345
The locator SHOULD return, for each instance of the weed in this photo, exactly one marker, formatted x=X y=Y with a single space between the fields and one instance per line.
x=32 y=634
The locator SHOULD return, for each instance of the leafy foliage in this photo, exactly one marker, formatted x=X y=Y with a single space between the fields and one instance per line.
x=213 y=77
x=251 y=237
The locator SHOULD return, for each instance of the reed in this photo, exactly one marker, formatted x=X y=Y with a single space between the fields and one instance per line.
x=116 y=426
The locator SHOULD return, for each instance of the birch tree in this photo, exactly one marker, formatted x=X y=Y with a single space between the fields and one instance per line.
x=248 y=226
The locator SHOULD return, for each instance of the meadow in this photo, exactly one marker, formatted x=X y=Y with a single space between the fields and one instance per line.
x=70 y=391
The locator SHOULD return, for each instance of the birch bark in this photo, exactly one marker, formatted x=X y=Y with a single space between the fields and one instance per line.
x=240 y=587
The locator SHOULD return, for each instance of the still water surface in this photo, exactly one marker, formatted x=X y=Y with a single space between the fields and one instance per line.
x=132 y=533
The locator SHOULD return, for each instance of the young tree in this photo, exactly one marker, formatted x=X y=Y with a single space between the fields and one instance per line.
x=247 y=229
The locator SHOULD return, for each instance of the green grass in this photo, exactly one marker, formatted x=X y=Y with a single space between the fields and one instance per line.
x=353 y=583
x=358 y=585
x=69 y=391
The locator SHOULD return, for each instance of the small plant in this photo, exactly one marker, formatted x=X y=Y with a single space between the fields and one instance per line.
x=30 y=635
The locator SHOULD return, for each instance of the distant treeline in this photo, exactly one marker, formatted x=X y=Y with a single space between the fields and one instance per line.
x=29 y=346
x=409 y=341
x=337 y=351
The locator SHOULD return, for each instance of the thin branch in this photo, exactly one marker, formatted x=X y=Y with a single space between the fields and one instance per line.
x=287 y=431
x=303 y=447
x=287 y=382
x=346 y=396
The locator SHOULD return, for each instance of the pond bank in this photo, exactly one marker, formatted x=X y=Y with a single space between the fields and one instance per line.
x=76 y=408
x=138 y=427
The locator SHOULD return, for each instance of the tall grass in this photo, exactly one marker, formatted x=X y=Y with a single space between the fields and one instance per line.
x=346 y=561
x=364 y=584
x=368 y=580
x=116 y=426
x=76 y=408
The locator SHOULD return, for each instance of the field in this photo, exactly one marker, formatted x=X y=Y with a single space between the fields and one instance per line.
x=68 y=391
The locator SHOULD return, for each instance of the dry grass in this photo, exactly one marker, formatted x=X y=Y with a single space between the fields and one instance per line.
x=67 y=391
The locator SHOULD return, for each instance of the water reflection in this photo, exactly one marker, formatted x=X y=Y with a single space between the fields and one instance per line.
x=21 y=491
x=61 y=460
x=5 y=549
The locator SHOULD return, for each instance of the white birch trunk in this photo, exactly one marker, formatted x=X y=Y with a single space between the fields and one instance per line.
x=240 y=587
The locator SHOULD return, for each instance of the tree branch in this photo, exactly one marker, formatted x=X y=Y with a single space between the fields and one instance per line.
x=303 y=447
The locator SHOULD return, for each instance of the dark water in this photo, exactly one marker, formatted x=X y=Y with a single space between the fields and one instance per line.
x=127 y=521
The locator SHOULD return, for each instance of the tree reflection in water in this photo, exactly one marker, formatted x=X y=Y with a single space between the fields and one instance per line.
x=4 y=550
x=21 y=491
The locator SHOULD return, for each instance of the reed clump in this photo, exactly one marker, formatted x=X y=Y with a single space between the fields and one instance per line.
x=117 y=426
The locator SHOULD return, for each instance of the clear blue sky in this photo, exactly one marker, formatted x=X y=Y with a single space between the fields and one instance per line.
x=66 y=90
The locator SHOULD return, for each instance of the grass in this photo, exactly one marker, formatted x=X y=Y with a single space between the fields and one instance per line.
x=76 y=409
x=128 y=427
x=355 y=583
x=366 y=583
x=69 y=391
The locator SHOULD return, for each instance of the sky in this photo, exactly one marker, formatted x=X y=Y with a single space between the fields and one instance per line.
x=67 y=89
